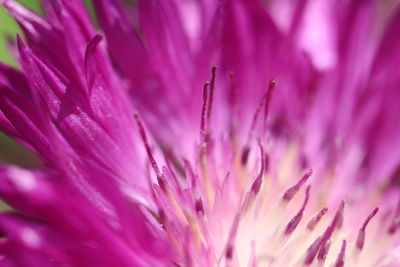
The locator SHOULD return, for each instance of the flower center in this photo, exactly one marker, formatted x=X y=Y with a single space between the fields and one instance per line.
x=215 y=215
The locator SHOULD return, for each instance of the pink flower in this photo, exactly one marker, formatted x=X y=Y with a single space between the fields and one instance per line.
x=280 y=159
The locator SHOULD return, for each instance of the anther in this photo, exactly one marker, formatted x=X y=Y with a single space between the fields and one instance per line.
x=199 y=207
x=162 y=182
x=270 y=90
x=211 y=97
x=361 y=232
x=162 y=217
x=232 y=236
x=340 y=258
x=233 y=101
x=203 y=129
x=322 y=240
x=229 y=252
x=312 y=251
x=291 y=226
x=339 y=216
x=266 y=162
x=323 y=252
x=291 y=192
x=245 y=155
x=315 y=220
x=147 y=146
x=255 y=117
x=255 y=188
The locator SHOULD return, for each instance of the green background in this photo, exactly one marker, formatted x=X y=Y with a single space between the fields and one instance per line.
x=10 y=151
x=8 y=29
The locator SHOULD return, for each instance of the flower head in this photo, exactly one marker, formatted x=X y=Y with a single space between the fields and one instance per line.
x=281 y=158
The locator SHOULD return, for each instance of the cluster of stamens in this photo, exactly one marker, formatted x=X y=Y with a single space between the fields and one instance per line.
x=217 y=217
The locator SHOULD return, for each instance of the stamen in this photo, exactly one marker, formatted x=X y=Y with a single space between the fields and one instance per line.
x=203 y=149
x=339 y=216
x=266 y=98
x=361 y=233
x=271 y=87
x=255 y=188
x=323 y=252
x=266 y=162
x=162 y=217
x=291 y=226
x=246 y=149
x=203 y=129
x=340 y=258
x=147 y=146
x=199 y=207
x=212 y=88
x=162 y=182
x=291 y=192
x=245 y=155
x=232 y=236
x=204 y=125
x=315 y=220
x=255 y=117
x=322 y=240
x=312 y=251
x=229 y=252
